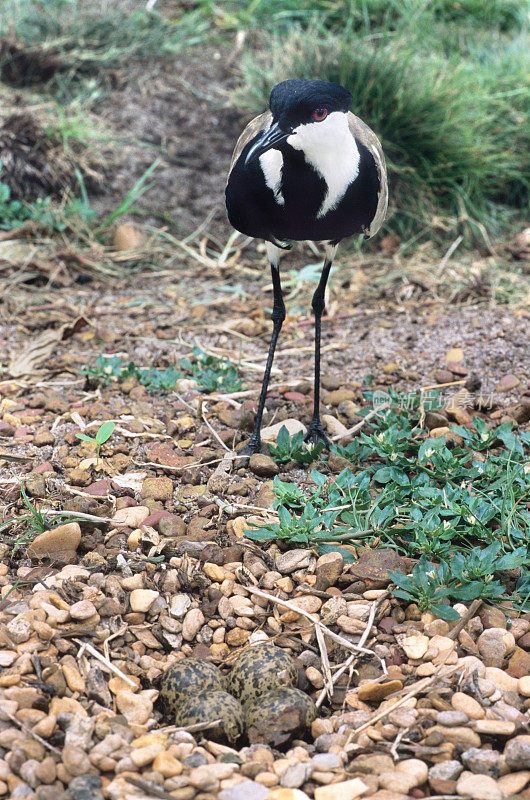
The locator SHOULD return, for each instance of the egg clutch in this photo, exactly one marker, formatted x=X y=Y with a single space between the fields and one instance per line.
x=257 y=698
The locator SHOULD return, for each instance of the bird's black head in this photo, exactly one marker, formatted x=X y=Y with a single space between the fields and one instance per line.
x=299 y=101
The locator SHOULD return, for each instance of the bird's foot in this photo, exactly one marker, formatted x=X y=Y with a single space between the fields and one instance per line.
x=315 y=434
x=253 y=445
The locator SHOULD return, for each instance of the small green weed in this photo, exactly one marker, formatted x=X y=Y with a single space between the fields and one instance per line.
x=294 y=448
x=474 y=572
x=111 y=369
x=159 y=381
x=288 y=494
x=38 y=522
x=103 y=434
x=307 y=528
x=465 y=577
x=14 y=213
x=108 y=369
x=212 y=374
x=426 y=588
x=483 y=439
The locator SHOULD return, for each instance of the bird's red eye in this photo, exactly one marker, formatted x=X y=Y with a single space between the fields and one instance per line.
x=319 y=114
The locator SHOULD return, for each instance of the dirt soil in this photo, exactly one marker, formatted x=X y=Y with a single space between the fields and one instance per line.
x=177 y=112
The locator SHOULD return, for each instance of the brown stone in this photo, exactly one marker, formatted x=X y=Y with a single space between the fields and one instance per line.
x=507 y=383
x=338 y=396
x=172 y=525
x=519 y=663
x=329 y=568
x=372 y=763
x=43 y=437
x=58 y=543
x=157 y=488
x=378 y=691
x=263 y=465
x=464 y=737
x=492 y=617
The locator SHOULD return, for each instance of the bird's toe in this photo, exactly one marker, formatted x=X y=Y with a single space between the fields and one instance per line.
x=251 y=447
x=315 y=434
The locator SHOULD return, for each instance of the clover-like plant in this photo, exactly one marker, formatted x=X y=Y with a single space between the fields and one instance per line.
x=103 y=434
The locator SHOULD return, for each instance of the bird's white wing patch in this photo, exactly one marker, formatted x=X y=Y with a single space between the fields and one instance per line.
x=331 y=150
x=271 y=165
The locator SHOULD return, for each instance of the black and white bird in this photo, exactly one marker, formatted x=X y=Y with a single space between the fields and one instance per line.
x=308 y=169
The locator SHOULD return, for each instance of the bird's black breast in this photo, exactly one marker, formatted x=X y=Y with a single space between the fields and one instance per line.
x=253 y=209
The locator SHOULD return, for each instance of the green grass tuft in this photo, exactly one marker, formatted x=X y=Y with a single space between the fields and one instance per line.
x=505 y=15
x=65 y=43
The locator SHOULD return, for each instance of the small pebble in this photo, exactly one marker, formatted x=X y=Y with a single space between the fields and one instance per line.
x=82 y=610
x=451 y=718
x=142 y=599
x=517 y=753
x=346 y=790
x=466 y=704
x=482 y=761
x=479 y=787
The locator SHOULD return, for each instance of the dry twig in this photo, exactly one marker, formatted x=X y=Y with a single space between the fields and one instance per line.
x=212 y=429
x=36 y=736
x=106 y=661
x=462 y=622
x=354 y=656
x=292 y=607
x=359 y=425
x=420 y=686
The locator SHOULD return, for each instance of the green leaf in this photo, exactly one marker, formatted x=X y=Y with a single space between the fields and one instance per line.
x=403 y=595
x=318 y=478
x=429 y=447
x=512 y=560
x=383 y=475
x=261 y=534
x=399 y=476
x=284 y=516
x=469 y=591
x=104 y=432
x=444 y=612
x=401 y=580
x=86 y=438
x=480 y=426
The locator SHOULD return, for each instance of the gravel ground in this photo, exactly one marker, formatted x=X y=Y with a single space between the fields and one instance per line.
x=95 y=610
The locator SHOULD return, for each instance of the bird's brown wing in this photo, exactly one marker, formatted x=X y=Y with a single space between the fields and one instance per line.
x=259 y=123
x=367 y=137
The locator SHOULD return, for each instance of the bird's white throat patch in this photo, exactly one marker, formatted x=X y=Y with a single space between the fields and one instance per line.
x=331 y=150
x=272 y=164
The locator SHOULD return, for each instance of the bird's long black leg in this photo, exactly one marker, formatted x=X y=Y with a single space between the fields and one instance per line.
x=315 y=431
x=278 y=316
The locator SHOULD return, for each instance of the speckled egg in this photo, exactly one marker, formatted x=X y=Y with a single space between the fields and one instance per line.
x=258 y=670
x=209 y=706
x=277 y=715
x=190 y=676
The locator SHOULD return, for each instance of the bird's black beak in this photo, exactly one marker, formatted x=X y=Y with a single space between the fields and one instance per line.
x=273 y=136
